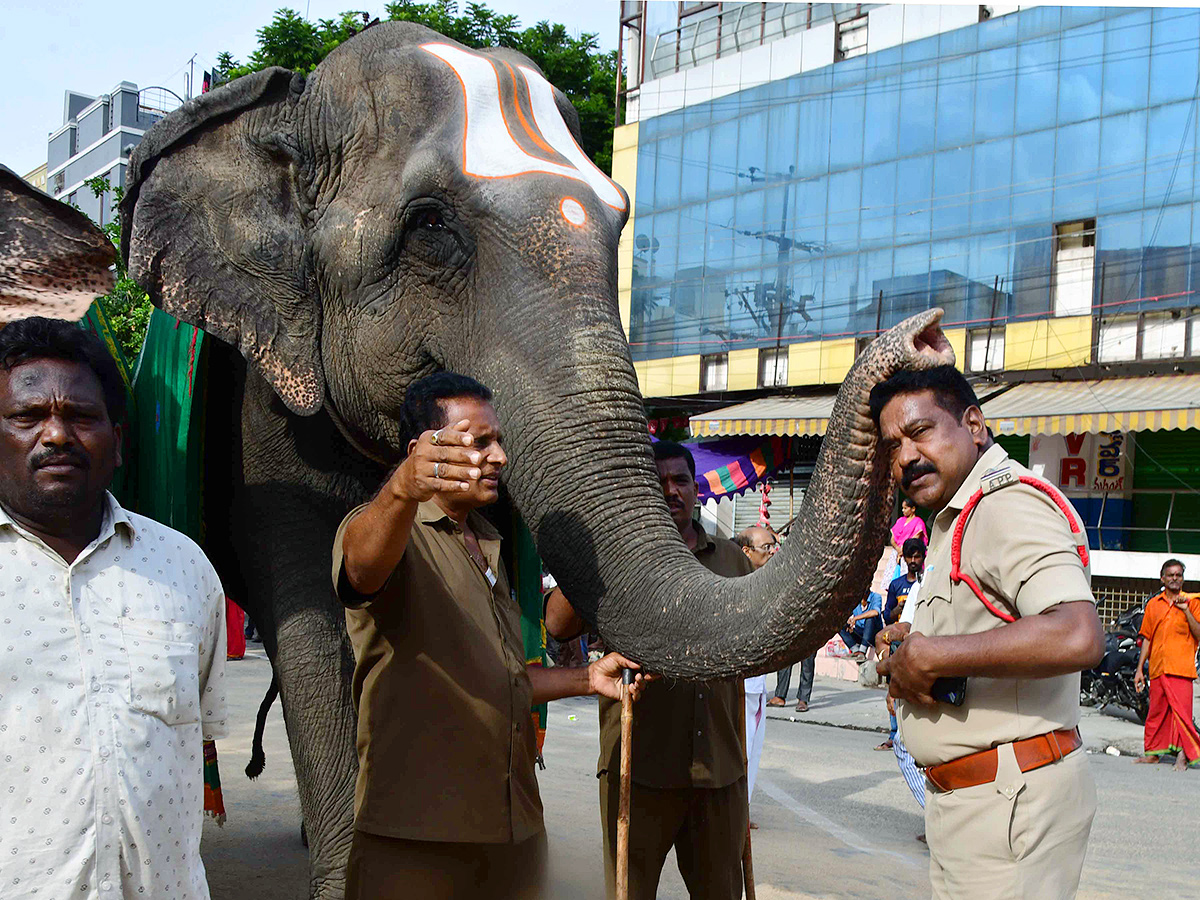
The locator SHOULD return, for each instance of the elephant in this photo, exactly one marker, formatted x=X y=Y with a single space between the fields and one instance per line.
x=413 y=206
x=54 y=261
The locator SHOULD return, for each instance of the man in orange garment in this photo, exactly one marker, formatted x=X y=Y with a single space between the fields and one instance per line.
x=1170 y=632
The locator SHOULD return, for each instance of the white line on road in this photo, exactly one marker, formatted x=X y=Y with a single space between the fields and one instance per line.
x=845 y=835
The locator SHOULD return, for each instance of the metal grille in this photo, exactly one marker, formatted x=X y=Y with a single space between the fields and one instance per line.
x=1115 y=595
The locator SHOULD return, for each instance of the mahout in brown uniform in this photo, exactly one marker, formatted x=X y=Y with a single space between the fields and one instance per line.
x=688 y=768
x=1009 y=798
x=446 y=802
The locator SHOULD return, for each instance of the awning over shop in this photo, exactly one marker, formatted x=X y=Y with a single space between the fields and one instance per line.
x=1150 y=403
x=768 y=415
x=731 y=467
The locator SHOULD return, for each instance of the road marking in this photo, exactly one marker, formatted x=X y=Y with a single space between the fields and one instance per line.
x=845 y=835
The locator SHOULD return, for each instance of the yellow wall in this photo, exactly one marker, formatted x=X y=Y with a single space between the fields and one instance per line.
x=743 y=370
x=624 y=173
x=669 y=377
x=820 y=362
x=1048 y=343
x=958 y=343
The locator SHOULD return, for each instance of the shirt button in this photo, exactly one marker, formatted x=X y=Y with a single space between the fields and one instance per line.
x=698 y=733
x=84 y=628
x=700 y=695
x=106 y=885
x=95 y=686
x=106 y=819
x=104 y=753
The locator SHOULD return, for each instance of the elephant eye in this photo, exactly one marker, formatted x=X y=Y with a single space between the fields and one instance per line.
x=429 y=220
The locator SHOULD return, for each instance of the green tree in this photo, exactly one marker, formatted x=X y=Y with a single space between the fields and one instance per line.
x=127 y=306
x=576 y=66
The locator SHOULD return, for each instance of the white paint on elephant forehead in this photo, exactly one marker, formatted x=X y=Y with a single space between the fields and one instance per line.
x=489 y=149
x=573 y=211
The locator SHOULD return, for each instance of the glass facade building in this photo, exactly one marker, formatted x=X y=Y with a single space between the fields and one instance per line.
x=1039 y=164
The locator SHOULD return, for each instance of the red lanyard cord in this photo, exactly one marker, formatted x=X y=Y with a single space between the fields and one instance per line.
x=957 y=575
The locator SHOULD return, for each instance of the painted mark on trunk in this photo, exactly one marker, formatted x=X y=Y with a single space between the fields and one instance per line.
x=492 y=147
x=833 y=829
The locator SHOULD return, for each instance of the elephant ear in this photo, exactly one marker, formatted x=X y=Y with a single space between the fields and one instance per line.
x=213 y=228
x=54 y=260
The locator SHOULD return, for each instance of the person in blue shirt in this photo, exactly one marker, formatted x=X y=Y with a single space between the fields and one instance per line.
x=898 y=590
x=861 y=626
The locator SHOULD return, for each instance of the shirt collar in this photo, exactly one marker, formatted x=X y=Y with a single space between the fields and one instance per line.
x=992 y=458
x=429 y=513
x=115 y=519
x=704 y=544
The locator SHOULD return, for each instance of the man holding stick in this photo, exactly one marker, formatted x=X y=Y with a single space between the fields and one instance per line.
x=689 y=772
x=447 y=803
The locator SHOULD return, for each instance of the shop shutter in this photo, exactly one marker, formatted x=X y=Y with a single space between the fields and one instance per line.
x=1166 y=461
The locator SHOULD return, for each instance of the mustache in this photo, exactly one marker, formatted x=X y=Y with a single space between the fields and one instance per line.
x=915 y=470
x=68 y=455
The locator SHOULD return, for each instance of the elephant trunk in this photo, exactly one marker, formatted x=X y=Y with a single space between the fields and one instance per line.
x=582 y=475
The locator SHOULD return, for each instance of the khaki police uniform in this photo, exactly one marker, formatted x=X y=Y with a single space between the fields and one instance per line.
x=688 y=773
x=1025 y=834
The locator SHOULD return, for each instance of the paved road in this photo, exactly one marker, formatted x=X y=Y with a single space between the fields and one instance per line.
x=836 y=818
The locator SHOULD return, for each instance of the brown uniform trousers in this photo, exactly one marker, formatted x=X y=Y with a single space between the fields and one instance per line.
x=689 y=775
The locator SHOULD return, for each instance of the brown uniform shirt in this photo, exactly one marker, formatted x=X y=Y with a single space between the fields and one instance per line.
x=446 y=748
x=685 y=734
x=1019 y=549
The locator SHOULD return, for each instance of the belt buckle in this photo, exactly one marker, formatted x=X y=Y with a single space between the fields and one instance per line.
x=1055 y=749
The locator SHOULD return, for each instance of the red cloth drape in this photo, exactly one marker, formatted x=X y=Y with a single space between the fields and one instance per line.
x=235 y=630
x=1169 y=726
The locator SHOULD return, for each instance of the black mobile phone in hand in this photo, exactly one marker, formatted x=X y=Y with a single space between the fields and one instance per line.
x=950 y=690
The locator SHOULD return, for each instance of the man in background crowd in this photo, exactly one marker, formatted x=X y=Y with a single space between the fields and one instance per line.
x=759 y=543
x=1170 y=632
x=898 y=590
x=119 y=676
x=862 y=626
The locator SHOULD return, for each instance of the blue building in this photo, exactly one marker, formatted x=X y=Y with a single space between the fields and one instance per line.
x=805 y=175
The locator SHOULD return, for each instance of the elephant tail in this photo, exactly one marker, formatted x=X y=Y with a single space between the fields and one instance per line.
x=258 y=759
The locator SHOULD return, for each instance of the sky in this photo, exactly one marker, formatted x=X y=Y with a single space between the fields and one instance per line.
x=89 y=46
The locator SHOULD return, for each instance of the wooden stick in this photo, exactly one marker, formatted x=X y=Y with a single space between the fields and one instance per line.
x=627 y=676
x=747 y=860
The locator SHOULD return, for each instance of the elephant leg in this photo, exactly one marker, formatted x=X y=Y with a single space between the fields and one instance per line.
x=314 y=665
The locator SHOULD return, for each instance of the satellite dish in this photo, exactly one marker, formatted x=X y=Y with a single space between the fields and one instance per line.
x=641 y=242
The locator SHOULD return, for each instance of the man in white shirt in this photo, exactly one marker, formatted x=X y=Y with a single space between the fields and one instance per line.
x=112 y=644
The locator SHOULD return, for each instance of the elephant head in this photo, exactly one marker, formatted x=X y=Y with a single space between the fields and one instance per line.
x=413 y=205
x=54 y=261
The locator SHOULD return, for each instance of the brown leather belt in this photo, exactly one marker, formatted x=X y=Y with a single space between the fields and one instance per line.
x=980 y=768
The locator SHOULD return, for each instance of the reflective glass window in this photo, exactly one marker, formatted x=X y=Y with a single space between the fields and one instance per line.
x=841 y=217
x=722 y=162
x=1122 y=161
x=1080 y=72
x=719 y=231
x=1033 y=178
x=955 y=101
x=1119 y=254
x=998 y=32
x=692 y=226
x=812 y=145
x=664 y=244
x=948 y=279
x=1126 y=62
x=878 y=205
x=1037 y=21
x=1033 y=258
x=874 y=276
x=806 y=221
x=995 y=92
x=752 y=146
x=951 y=192
x=882 y=119
x=1170 y=127
x=805 y=281
x=749 y=217
x=666 y=176
x=1037 y=84
x=1173 y=57
x=1166 y=237
x=991 y=184
x=914 y=186
x=782 y=128
x=1075 y=159
x=694 y=166
x=990 y=256
x=846 y=130
x=644 y=195
x=918 y=110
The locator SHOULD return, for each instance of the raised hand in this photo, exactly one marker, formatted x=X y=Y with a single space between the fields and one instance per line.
x=438 y=462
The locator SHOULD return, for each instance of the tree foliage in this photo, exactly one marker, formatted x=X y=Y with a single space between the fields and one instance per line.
x=573 y=64
x=127 y=306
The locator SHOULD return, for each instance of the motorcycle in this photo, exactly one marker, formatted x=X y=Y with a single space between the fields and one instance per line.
x=1112 y=680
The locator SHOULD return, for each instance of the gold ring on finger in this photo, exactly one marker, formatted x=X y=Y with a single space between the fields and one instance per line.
x=436 y=437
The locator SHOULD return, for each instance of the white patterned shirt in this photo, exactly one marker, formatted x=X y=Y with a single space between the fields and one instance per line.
x=111 y=670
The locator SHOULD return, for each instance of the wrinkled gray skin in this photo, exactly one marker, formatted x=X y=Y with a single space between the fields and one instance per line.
x=284 y=216
x=54 y=261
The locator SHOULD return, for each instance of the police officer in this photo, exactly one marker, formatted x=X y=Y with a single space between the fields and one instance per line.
x=988 y=676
